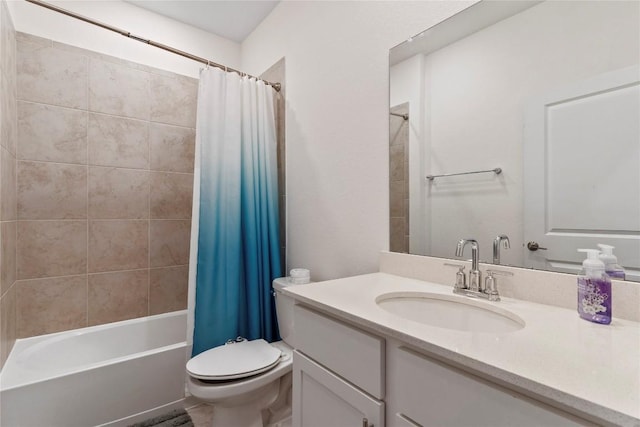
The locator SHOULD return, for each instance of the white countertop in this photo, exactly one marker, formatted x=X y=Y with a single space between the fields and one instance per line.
x=557 y=357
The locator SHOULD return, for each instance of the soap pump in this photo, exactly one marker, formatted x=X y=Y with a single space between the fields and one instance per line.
x=611 y=266
x=594 y=289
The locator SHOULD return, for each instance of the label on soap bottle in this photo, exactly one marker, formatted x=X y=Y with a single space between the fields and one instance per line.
x=594 y=299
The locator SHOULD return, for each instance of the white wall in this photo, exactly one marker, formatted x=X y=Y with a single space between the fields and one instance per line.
x=42 y=22
x=337 y=122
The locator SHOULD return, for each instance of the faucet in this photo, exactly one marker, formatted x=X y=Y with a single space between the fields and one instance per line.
x=496 y=246
x=475 y=275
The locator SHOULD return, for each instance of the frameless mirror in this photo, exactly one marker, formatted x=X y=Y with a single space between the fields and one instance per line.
x=519 y=119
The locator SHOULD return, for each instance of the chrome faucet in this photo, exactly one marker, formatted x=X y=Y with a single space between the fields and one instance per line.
x=475 y=275
x=500 y=238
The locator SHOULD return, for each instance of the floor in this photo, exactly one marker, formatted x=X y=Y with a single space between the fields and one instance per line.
x=201 y=415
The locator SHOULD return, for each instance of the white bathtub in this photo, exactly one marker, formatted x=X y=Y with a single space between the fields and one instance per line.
x=113 y=374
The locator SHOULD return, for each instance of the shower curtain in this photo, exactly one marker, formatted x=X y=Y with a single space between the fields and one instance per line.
x=235 y=211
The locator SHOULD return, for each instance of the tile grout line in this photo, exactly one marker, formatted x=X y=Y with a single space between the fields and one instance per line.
x=86 y=136
x=149 y=202
x=101 y=272
x=105 y=166
x=89 y=111
x=17 y=136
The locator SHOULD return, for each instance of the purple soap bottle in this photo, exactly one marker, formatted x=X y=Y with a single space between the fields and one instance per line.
x=594 y=289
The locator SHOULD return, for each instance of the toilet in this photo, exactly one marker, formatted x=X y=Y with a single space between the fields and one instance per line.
x=248 y=383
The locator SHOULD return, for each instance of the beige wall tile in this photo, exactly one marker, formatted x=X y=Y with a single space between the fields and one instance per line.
x=173 y=100
x=7 y=40
x=117 y=141
x=172 y=148
x=396 y=198
x=276 y=73
x=396 y=162
x=8 y=197
x=9 y=114
x=406 y=217
x=171 y=195
x=50 y=133
x=51 y=76
x=8 y=87
x=26 y=37
x=118 y=296
x=8 y=331
x=119 y=90
x=118 y=245
x=114 y=138
x=169 y=242
x=51 y=305
x=168 y=289
x=51 y=191
x=8 y=241
x=282 y=214
x=104 y=57
x=118 y=193
x=51 y=248
x=397 y=240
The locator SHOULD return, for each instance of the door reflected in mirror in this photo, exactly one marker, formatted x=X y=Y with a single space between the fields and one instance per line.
x=546 y=92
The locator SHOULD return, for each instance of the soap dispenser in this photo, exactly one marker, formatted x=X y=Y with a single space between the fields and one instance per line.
x=611 y=266
x=594 y=289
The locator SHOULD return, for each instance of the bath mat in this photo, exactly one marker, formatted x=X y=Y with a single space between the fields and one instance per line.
x=175 y=418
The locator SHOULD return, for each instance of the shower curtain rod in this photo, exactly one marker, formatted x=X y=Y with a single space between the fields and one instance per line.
x=404 y=116
x=276 y=86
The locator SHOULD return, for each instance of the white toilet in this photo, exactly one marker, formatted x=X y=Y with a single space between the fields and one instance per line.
x=248 y=382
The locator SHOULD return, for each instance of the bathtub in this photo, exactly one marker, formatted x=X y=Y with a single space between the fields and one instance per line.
x=108 y=375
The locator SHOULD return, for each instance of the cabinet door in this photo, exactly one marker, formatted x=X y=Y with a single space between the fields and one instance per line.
x=321 y=399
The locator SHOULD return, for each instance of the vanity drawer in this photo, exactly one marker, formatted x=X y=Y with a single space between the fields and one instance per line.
x=429 y=392
x=351 y=353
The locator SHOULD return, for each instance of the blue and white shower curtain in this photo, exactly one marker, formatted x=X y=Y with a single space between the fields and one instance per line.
x=235 y=248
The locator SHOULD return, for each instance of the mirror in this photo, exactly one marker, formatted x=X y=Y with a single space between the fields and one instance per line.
x=534 y=107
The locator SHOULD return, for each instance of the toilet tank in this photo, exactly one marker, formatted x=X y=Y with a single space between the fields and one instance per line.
x=284 y=310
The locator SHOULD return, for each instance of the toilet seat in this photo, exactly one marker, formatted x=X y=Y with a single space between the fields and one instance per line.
x=234 y=361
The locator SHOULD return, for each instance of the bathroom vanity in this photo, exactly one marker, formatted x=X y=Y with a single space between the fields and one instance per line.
x=360 y=361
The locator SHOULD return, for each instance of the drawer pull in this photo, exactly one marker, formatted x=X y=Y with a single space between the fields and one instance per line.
x=408 y=420
x=365 y=423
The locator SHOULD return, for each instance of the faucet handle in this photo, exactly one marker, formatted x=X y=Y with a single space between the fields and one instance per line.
x=490 y=285
x=461 y=279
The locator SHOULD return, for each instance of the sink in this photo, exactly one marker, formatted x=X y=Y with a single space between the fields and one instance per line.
x=450 y=312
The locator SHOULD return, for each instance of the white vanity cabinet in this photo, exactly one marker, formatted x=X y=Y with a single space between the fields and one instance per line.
x=344 y=377
x=422 y=391
x=338 y=374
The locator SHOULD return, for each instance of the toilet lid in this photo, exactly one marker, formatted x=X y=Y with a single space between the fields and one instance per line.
x=232 y=361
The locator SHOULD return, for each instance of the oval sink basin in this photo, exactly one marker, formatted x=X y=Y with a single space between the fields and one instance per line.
x=450 y=312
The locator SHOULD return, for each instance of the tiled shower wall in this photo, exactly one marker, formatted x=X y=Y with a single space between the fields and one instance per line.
x=104 y=182
x=399 y=180
x=276 y=73
x=8 y=201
